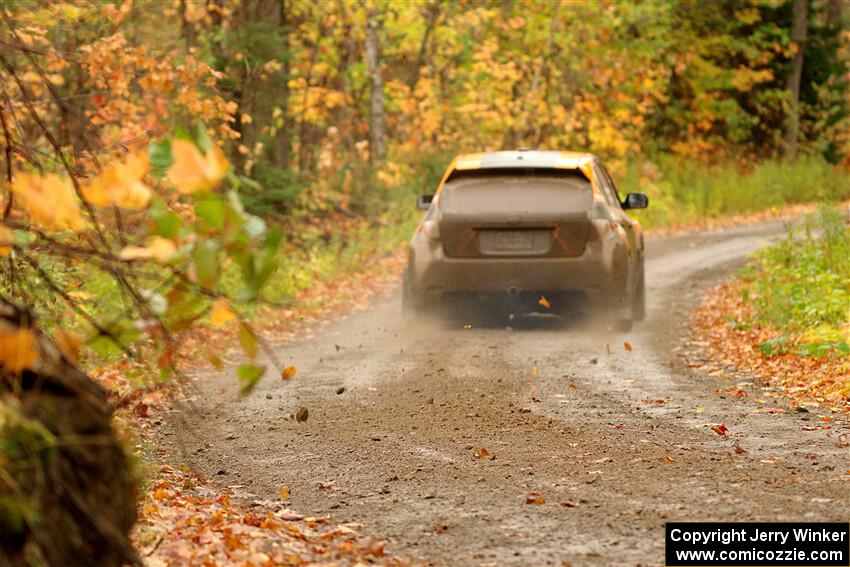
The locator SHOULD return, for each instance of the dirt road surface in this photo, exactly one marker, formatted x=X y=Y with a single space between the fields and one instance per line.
x=616 y=444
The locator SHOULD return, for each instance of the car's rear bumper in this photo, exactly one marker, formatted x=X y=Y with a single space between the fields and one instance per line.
x=600 y=274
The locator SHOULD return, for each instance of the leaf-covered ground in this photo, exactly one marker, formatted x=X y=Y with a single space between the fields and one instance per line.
x=719 y=346
x=186 y=520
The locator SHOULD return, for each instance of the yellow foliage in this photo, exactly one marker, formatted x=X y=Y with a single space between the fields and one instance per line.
x=221 y=313
x=49 y=200
x=120 y=183
x=18 y=350
x=193 y=171
x=160 y=249
x=7 y=238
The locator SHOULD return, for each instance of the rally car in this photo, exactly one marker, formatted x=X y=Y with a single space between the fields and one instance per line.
x=540 y=229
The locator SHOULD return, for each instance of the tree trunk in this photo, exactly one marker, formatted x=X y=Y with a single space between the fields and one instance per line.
x=67 y=494
x=798 y=38
x=187 y=30
x=378 y=148
x=283 y=144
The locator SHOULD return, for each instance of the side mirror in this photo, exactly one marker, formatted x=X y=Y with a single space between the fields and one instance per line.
x=636 y=201
x=423 y=202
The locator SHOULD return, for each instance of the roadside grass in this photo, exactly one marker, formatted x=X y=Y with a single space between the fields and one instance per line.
x=683 y=192
x=784 y=323
x=801 y=288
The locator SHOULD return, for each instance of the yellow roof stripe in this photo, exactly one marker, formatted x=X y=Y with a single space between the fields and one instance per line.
x=469 y=161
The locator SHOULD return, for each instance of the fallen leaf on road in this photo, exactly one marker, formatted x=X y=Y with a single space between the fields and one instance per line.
x=627 y=346
x=769 y=410
x=301 y=414
x=720 y=429
x=768 y=461
x=288 y=373
x=481 y=453
x=567 y=504
x=544 y=302
x=283 y=492
x=733 y=393
x=739 y=450
x=619 y=426
x=534 y=498
x=440 y=528
x=669 y=459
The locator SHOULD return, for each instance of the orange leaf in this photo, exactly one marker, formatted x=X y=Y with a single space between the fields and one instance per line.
x=544 y=302
x=120 y=183
x=18 y=350
x=221 y=313
x=193 y=171
x=481 y=453
x=627 y=346
x=720 y=429
x=49 y=200
x=7 y=239
x=534 y=498
x=288 y=373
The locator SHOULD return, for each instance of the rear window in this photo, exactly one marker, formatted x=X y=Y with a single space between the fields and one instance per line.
x=515 y=190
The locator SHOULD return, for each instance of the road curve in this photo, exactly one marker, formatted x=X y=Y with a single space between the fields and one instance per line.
x=616 y=444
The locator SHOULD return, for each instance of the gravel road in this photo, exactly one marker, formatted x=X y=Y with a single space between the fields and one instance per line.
x=614 y=444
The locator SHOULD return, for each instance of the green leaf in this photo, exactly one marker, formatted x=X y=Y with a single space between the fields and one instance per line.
x=773 y=346
x=205 y=257
x=23 y=237
x=249 y=375
x=167 y=225
x=160 y=158
x=202 y=138
x=248 y=340
x=211 y=214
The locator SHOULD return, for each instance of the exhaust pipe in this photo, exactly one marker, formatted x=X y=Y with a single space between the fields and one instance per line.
x=513 y=291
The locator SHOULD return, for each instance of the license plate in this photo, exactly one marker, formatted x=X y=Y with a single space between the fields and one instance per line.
x=513 y=241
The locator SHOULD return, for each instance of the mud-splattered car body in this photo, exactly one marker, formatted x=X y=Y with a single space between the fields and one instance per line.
x=544 y=225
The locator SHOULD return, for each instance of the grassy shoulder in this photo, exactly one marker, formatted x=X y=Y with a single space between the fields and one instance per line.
x=786 y=319
x=685 y=192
